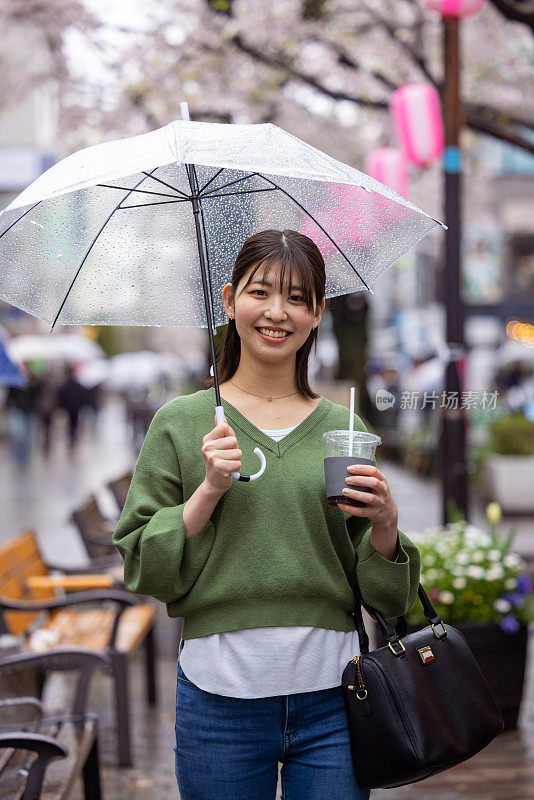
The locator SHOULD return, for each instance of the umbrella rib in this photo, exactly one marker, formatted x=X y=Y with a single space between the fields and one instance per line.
x=89 y=250
x=19 y=219
x=231 y=194
x=225 y=185
x=211 y=180
x=318 y=225
x=155 y=203
x=168 y=185
x=138 y=191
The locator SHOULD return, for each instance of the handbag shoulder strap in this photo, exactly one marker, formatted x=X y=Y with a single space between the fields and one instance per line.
x=401 y=626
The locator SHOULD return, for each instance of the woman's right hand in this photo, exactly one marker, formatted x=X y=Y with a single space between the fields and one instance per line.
x=221 y=456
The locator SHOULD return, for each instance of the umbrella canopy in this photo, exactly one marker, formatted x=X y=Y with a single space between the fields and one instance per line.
x=84 y=243
x=67 y=347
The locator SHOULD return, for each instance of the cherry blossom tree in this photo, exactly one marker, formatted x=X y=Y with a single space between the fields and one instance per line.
x=325 y=70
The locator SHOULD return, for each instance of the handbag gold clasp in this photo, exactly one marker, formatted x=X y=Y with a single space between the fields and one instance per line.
x=443 y=636
x=395 y=653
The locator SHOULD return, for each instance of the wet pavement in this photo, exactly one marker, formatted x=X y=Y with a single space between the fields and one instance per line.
x=43 y=499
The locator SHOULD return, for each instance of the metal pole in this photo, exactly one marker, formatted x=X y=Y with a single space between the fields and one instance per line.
x=197 y=211
x=454 y=422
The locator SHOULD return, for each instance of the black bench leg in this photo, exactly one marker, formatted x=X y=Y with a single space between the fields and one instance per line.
x=91 y=774
x=122 y=706
x=150 y=660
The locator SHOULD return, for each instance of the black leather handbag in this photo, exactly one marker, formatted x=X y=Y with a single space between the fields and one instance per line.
x=418 y=705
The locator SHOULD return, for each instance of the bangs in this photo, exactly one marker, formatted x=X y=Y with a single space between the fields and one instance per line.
x=291 y=272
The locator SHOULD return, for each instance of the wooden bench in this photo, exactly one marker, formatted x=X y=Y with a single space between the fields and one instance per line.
x=119 y=488
x=30 y=742
x=95 y=529
x=117 y=625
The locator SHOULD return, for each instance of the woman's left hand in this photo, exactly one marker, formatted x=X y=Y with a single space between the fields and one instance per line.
x=380 y=508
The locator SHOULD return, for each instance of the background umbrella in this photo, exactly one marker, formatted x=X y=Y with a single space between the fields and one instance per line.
x=67 y=347
x=513 y=351
x=92 y=373
x=84 y=244
x=10 y=375
x=142 y=368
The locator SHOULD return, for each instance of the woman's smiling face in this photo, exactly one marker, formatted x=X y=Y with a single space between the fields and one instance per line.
x=261 y=304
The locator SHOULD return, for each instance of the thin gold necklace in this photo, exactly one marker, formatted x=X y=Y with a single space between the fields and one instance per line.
x=270 y=399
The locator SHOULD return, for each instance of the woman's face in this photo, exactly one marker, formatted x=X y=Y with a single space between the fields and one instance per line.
x=262 y=305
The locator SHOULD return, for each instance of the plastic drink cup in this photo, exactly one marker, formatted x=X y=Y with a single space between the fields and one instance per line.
x=344 y=449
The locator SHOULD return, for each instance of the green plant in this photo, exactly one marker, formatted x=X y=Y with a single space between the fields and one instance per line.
x=512 y=435
x=473 y=576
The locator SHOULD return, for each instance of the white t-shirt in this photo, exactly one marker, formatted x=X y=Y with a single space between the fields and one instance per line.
x=261 y=662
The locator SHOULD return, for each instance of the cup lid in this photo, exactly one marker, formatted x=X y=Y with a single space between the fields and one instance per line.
x=363 y=436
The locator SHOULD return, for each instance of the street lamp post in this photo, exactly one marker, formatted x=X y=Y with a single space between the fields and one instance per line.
x=454 y=420
x=453 y=436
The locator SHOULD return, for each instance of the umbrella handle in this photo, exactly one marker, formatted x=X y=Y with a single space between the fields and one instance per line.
x=219 y=413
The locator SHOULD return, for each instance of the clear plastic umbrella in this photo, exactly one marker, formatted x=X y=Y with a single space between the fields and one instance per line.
x=145 y=230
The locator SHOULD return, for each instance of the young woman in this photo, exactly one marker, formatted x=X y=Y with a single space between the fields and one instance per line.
x=262 y=573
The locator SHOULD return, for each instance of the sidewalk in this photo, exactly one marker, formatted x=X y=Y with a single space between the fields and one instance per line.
x=44 y=498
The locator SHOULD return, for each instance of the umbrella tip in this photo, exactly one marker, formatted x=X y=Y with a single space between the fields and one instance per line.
x=184 y=110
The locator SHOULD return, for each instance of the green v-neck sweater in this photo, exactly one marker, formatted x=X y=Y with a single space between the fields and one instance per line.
x=273 y=553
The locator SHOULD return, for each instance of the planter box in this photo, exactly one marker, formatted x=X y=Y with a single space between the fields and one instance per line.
x=508 y=481
x=502 y=660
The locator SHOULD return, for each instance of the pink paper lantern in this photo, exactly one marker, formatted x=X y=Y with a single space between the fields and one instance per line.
x=417 y=116
x=389 y=166
x=455 y=8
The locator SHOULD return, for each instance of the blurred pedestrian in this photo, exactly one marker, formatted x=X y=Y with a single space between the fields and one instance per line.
x=21 y=413
x=46 y=405
x=72 y=397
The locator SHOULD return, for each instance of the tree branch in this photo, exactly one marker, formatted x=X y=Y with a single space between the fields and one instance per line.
x=345 y=60
x=279 y=62
x=404 y=45
x=517 y=10
x=476 y=117
x=481 y=125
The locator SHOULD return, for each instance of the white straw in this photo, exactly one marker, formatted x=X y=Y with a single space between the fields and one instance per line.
x=351 y=422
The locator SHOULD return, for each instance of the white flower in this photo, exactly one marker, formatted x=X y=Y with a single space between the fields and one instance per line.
x=478 y=556
x=462 y=557
x=429 y=560
x=432 y=575
x=446 y=597
x=459 y=583
x=510 y=583
x=494 y=573
x=502 y=606
x=494 y=555
x=512 y=560
x=475 y=572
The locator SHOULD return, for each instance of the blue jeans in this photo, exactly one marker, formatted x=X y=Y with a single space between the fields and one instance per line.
x=228 y=748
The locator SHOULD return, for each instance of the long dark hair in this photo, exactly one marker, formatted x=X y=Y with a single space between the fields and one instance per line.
x=301 y=257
